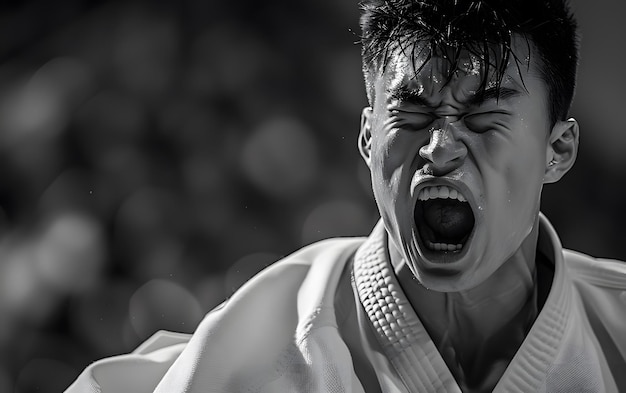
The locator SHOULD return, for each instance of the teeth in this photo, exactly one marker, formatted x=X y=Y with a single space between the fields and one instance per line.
x=443 y=192
x=443 y=246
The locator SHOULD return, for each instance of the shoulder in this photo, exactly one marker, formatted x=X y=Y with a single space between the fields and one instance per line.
x=139 y=371
x=282 y=289
x=600 y=285
x=291 y=271
x=602 y=272
x=259 y=323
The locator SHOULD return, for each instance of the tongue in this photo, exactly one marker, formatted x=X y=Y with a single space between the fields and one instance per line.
x=449 y=218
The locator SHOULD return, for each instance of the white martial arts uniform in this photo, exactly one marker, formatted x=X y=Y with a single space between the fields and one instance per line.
x=333 y=318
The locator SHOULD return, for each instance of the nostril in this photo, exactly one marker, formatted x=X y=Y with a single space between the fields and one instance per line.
x=426 y=152
x=437 y=154
x=437 y=143
x=443 y=155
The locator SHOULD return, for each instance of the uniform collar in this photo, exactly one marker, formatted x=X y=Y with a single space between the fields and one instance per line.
x=408 y=346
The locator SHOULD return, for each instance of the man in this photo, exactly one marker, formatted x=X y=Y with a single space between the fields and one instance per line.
x=463 y=286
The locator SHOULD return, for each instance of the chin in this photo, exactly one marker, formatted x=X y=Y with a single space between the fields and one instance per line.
x=445 y=282
x=454 y=275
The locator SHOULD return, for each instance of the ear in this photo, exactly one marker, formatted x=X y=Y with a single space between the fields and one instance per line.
x=562 y=150
x=365 y=135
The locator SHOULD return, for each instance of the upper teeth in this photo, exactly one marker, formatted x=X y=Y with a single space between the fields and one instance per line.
x=440 y=192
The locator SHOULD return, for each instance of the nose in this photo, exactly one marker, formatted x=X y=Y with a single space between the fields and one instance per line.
x=443 y=153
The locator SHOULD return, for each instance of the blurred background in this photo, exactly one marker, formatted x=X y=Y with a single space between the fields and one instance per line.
x=155 y=155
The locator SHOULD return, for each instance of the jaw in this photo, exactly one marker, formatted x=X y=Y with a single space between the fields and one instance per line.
x=444 y=271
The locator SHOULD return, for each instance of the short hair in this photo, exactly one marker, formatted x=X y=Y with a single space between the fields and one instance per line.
x=484 y=28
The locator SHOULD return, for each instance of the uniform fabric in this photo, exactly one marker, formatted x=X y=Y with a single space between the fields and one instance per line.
x=333 y=318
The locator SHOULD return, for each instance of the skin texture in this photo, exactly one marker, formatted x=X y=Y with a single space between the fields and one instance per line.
x=476 y=303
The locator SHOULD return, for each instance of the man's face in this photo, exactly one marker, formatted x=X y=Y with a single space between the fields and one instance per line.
x=457 y=179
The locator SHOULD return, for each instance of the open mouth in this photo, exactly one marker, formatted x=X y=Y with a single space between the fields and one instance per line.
x=444 y=219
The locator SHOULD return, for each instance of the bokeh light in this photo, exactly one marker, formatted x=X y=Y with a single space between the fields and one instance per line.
x=162 y=304
x=100 y=315
x=210 y=291
x=335 y=219
x=71 y=253
x=24 y=295
x=280 y=157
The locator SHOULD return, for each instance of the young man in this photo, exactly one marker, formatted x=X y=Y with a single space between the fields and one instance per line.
x=463 y=286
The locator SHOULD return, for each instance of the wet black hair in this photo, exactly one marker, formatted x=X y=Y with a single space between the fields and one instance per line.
x=485 y=29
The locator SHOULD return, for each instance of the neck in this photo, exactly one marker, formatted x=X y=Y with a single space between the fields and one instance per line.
x=478 y=331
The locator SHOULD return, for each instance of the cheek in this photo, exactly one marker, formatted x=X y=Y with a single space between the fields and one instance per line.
x=382 y=169
x=529 y=161
x=494 y=148
x=512 y=168
x=512 y=155
x=523 y=184
x=390 y=154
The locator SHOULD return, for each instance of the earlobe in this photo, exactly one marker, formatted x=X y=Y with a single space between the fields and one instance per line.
x=562 y=149
x=365 y=135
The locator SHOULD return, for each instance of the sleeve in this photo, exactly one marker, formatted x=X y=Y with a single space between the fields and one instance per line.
x=139 y=371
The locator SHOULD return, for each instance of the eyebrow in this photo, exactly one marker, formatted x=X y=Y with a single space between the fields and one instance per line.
x=405 y=94
x=499 y=93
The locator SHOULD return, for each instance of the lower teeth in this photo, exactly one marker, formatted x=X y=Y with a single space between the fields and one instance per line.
x=443 y=246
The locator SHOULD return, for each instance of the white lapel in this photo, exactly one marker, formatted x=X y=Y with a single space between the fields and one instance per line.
x=413 y=354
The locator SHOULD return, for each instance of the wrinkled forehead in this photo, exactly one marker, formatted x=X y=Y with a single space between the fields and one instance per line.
x=428 y=73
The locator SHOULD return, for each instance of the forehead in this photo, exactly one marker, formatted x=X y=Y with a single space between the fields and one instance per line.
x=429 y=74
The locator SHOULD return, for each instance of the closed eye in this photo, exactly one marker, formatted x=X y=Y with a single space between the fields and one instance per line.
x=415 y=121
x=484 y=121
